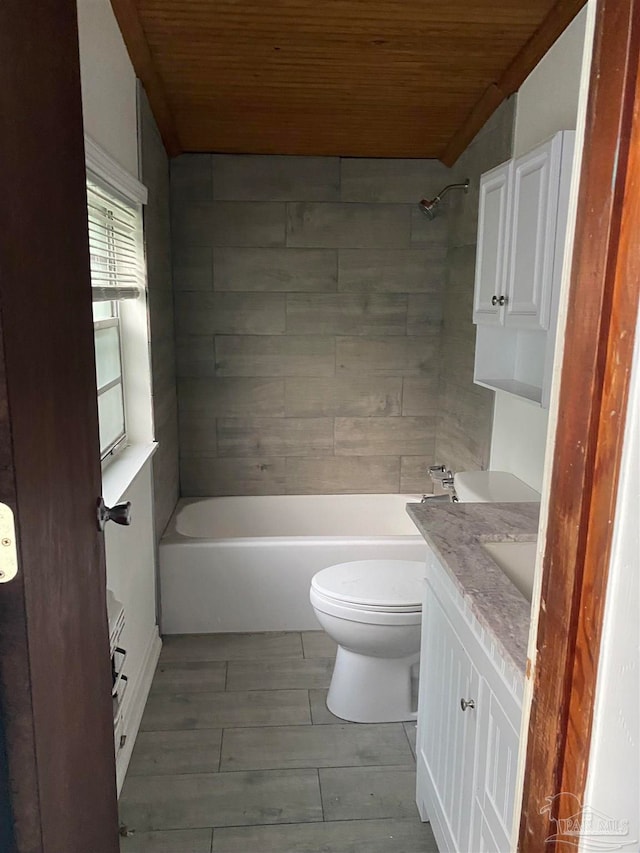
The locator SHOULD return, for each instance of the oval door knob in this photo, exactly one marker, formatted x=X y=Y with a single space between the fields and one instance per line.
x=467 y=703
x=120 y=513
x=494 y=300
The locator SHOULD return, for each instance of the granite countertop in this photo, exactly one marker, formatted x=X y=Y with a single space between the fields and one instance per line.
x=455 y=532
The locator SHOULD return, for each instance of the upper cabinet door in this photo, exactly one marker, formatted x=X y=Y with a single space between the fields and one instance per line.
x=493 y=220
x=536 y=178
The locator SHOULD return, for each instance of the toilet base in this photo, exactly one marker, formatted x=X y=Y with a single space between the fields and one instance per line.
x=367 y=689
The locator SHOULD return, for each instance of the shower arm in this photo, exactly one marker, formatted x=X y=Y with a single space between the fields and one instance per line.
x=463 y=186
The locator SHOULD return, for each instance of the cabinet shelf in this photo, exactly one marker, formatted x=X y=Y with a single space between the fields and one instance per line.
x=522 y=225
x=513 y=386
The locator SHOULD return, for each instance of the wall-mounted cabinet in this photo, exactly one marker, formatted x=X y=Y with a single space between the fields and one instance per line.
x=522 y=225
x=468 y=725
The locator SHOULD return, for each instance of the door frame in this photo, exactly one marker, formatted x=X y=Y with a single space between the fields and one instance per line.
x=596 y=367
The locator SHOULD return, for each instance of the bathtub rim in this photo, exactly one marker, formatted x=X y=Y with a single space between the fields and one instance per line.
x=171 y=536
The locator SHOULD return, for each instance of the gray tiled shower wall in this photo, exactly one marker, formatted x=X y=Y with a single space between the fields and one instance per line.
x=154 y=172
x=464 y=432
x=308 y=310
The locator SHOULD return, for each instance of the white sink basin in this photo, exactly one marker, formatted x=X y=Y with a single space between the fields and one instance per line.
x=517 y=560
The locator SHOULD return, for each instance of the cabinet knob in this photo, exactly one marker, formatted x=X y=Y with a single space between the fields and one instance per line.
x=467 y=703
x=494 y=300
x=502 y=300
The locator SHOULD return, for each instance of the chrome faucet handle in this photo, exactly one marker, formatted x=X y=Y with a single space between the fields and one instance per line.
x=447 y=482
x=434 y=469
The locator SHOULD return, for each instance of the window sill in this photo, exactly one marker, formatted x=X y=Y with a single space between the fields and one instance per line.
x=122 y=471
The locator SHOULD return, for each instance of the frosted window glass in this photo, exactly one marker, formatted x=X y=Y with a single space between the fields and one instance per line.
x=111 y=416
x=107 y=355
x=103 y=311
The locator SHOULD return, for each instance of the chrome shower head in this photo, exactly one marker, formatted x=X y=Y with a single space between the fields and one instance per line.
x=429 y=206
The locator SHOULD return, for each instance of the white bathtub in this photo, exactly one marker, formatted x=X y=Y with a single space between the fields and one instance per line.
x=245 y=563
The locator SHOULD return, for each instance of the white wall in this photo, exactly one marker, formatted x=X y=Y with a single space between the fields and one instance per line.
x=548 y=98
x=547 y=102
x=110 y=118
x=613 y=783
x=131 y=576
x=108 y=84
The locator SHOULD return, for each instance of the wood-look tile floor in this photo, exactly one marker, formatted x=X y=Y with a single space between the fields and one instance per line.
x=237 y=753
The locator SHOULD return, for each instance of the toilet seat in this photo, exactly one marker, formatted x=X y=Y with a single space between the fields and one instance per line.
x=386 y=586
x=368 y=616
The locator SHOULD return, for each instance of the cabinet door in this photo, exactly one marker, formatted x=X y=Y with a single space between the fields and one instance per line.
x=493 y=233
x=497 y=759
x=533 y=236
x=446 y=734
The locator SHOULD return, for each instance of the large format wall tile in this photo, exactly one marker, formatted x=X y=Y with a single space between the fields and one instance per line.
x=195 y=355
x=347 y=225
x=424 y=314
x=228 y=223
x=275 y=436
x=309 y=312
x=155 y=174
x=193 y=268
x=393 y=356
x=342 y=475
x=236 y=397
x=384 y=436
x=347 y=314
x=362 y=396
x=293 y=355
x=192 y=178
x=364 y=179
x=392 y=271
x=200 y=477
x=414 y=474
x=312 y=270
x=275 y=178
x=199 y=435
x=419 y=395
x=230 y=313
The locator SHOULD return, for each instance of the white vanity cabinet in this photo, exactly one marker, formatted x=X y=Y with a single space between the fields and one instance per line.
x=468 y=725
x=522 y=222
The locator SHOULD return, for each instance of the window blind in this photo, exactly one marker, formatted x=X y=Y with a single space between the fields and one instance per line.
x=115 y=247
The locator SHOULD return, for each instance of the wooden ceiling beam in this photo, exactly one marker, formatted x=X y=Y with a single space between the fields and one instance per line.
x=553 y=25
x=126 y=13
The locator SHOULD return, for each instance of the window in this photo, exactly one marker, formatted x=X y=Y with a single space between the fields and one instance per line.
x=117 y=274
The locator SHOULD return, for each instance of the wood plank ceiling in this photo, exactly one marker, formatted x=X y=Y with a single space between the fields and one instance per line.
x=362 y=78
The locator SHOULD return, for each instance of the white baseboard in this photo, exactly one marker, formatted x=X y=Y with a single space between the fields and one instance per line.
x=135 y=700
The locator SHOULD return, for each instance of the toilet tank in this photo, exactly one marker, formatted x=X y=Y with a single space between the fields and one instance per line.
x=492 y=487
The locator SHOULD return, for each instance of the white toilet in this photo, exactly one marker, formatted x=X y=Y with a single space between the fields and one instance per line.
x=373 y=610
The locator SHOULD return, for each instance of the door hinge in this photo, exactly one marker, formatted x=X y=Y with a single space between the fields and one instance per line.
x=8 y=545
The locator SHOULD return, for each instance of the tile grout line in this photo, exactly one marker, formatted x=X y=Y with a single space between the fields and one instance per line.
x=220 y=752
x=321 y=797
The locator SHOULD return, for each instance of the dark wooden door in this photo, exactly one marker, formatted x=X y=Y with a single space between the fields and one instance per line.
x=59 y=769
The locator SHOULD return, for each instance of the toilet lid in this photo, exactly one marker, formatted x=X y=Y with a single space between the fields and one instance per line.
x=387 y=584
